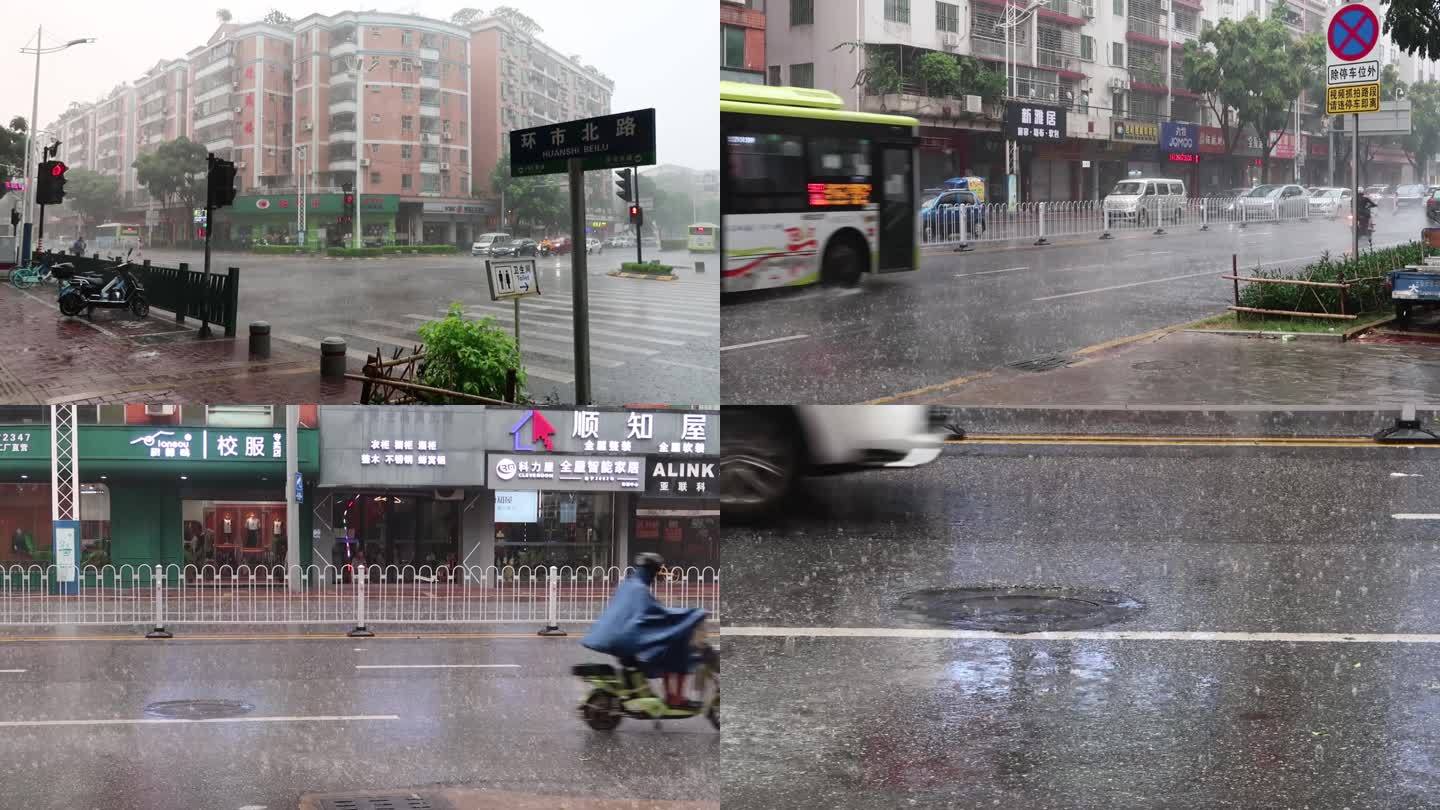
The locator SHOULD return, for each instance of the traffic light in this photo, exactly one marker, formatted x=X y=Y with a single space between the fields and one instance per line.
x=637 y=217
x=220 y=183
x=50 y=183
x=14 y=218
x=622 y=182
x=349 y=199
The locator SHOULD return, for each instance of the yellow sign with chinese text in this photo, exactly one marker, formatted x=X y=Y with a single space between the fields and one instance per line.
x=1352 y=98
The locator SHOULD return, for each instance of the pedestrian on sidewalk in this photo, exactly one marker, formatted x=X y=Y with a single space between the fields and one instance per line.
x=78 y=248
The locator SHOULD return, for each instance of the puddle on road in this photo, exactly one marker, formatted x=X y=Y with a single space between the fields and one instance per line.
x=1019 y=610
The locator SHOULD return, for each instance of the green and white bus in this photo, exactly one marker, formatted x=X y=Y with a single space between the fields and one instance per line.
x=811 y=191
x=702 y=238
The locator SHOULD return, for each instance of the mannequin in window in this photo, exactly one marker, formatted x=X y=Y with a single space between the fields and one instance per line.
x=252 y=531
x=226 y=528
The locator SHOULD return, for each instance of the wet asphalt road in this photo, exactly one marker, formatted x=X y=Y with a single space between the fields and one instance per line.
x=962 y=314
x=651 y=341
x=1206 y=539
x=512 y=728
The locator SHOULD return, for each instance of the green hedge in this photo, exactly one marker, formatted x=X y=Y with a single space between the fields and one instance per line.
x=648 y=268
x=674 y=244
x=394 y=250
x=282 y=249
x=1366 y=295
x=353 y=252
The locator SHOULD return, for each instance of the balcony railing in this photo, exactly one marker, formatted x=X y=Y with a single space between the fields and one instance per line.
x=995 y=48
x=1057 y=60
x=1072 y=8
x=1149 y=28
x=1147 y=74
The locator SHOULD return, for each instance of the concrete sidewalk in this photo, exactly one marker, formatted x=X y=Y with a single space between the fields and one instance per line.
x=468 y=799
x=1170 y=369
x=49 y=358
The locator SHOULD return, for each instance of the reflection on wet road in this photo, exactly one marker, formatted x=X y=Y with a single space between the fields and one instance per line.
x=1237 y=541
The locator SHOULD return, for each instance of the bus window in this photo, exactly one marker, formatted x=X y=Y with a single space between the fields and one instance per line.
x=766 y=172
x=847 y=158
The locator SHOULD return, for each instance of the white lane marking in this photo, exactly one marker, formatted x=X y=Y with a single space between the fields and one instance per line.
x=754 y=343
x=1080 y=635
x=990 y=272
x=437 y=666
x=156 y=721
x=1215 y=273
x=254 y=807
x=532 y=337
x=359 y=649
x=1405 y=475
x=14 y=670
x=1416 y=516
x=683 y=365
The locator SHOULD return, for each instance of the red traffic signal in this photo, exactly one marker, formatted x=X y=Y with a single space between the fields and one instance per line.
x=58 y=169
x=50 y=183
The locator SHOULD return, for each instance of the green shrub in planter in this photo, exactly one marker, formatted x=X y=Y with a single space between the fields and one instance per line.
x=353 y=252
x=472 y=357
x=646 y=268
x=1365 y=275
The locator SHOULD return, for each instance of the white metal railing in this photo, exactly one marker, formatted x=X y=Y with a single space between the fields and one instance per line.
x=162 y=596
x=1038 y=222
x=1057 y=60
x=1149 y=28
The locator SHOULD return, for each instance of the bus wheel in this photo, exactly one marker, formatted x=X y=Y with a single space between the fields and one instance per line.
x=843 y=263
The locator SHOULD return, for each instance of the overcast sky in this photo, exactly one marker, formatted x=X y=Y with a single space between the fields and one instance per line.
x=660 y=53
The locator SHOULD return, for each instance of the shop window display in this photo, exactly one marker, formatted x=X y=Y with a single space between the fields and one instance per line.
x=573 y=529
x=25 y=523
x=234 y=533
x=406 y=531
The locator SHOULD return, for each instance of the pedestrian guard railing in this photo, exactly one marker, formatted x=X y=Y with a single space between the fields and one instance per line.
x=213 y=297
x=1038 y=222
x=160 y=597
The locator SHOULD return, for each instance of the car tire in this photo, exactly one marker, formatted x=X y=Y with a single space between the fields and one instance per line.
x=760 y=458
x=844 y=263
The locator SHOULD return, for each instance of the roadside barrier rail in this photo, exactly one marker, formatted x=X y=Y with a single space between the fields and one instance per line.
x=185 y=292
x=962 y=226
x=161 y=597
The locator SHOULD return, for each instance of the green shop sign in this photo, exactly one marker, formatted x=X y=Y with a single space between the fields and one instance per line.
x=282 y=206
x=155 y=449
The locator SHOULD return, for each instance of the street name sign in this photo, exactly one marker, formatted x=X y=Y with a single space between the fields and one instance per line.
x=1352 y=77
x=512 y=278
x=605 y=142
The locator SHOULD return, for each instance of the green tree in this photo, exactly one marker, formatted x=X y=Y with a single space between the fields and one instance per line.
x=517 y=18
x=93 y=196
x=881 y=75
x=977 y=79
x=277 y=17
x=12 y=149
x=464 y=16
x=1254 y=68
x=223 y=15
x=534 y=200
x=1424 y=138
x=174 y=173
x=939 y=74
x=1414 y=26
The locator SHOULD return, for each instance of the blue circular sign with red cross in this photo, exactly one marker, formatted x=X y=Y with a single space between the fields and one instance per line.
x=1353 y=32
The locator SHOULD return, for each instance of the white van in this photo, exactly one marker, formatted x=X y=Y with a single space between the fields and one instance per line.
x=1146 y=200
x=482 y=245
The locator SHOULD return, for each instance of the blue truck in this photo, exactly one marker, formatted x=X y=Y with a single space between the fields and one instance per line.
x=1417 y=285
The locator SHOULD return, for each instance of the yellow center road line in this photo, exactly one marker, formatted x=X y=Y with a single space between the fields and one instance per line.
x=1182 y=441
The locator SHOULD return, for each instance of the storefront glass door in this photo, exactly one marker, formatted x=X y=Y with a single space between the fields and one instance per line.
x=573 y=529
x=396 y=529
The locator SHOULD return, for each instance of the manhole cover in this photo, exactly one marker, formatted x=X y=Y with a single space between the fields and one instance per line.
x=378 y=801
x=1160 y=365
x=1019 y=610
x=198 y=709
x=1045 y=363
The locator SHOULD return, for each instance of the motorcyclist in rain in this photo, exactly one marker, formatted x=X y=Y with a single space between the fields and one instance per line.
x=1363 y=204
x=646 y=635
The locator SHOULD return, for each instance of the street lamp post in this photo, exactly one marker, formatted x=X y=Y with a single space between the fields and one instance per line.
x=1014 y=17
x=30 y=133
x=300 y=210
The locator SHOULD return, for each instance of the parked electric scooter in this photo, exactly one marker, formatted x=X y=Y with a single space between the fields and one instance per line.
x=616 y=695
x=121 y=290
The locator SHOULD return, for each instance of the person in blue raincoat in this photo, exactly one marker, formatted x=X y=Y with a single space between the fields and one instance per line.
x=645 y=634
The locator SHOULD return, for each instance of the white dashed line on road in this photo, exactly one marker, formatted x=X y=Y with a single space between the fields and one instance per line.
x=1079 y=635
x=437 y=666
x=158 y=721
x=755 y=343
x=1416 y=516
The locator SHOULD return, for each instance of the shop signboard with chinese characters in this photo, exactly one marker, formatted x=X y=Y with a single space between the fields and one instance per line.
x=670 y=477
x=659 y=432
x=401 y=446
x=161 y=449
x=565 y=472
x=1210 y=140
x=1034 y=122
x=1126 y=131
x=177 y=443
x=1284 y=146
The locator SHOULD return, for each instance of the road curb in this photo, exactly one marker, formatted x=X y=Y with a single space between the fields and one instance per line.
x=1183 y=420
x=643 y=276
x=1264 y=335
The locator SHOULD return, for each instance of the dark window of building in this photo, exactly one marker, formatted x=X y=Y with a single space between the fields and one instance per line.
x=732 y=46
x=802 y=12
x=897 y=11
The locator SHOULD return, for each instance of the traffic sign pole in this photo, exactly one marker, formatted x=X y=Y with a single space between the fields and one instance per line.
x=1355 y=194
x=579 y=281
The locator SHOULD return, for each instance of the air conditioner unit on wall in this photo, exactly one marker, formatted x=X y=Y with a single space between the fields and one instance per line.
x=973 y=104
x=159 y=410
x=364 y=161
x=309 y=126
x=444 y=167
x=949 y=41
x=1119 y=84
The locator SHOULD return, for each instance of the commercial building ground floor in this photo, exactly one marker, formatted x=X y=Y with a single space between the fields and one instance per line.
x=1087 y=168
x=403 y=487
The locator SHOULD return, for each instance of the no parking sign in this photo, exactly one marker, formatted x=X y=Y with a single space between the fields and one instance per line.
x=1352 y=77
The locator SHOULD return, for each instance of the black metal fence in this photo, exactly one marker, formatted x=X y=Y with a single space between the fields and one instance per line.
x=188 y=293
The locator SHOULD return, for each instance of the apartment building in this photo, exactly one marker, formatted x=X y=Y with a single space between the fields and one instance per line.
x=413 y=113
x=1115 y=65
x=519 y=82
x=742 y=41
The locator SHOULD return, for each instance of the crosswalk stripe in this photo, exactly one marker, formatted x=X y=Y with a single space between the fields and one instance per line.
x=609 y=310
x=558 y=348
x=567 y=317
x=699 y=309
x=528 y=335
x=563 y=325
x=596 y=313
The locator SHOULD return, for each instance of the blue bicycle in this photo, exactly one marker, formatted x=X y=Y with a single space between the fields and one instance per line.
x=37 y=272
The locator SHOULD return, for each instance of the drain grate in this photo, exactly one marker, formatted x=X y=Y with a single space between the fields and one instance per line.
x=1047 y=362
x=1160 y=365
x=378 y=801
x=1019 y=610
x=198 y=709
